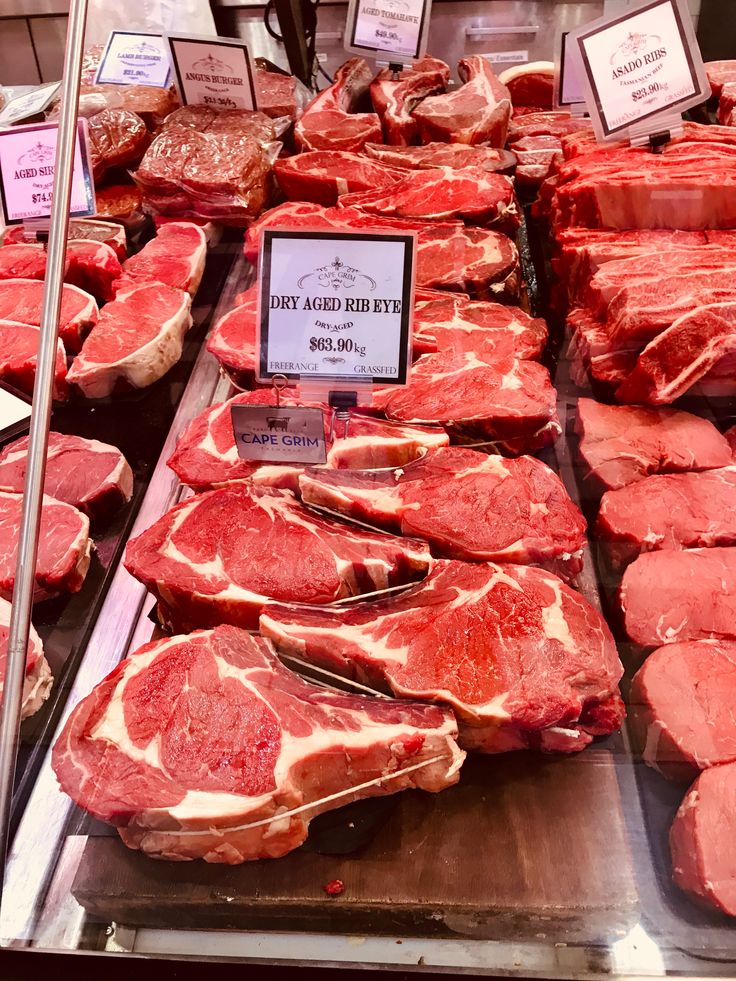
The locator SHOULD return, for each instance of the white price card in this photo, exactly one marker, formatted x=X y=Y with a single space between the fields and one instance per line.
x=397 y=28
x=134 y=58
x=29 y=104
x=640 y=67
x=279 y=434
x=15 y=413
x=336 y=305
x=569 y=89
x=212 y=71
x=27 y=163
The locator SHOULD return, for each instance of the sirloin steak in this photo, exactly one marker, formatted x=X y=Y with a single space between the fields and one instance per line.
x=93 y=477
x=21 y=301
x=18 y=359
x=219 y=557
x=64 y=547
x=681 y=707
x=37 y=681
x=194 y=739
x=175 y=257
x=466 y=504
x=92 y=266
x=670 y=597
x=523 y=660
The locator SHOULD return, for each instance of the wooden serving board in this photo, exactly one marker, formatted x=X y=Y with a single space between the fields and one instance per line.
x=523 y=846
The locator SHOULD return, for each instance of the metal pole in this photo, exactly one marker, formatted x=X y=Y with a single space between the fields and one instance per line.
x=20 y=619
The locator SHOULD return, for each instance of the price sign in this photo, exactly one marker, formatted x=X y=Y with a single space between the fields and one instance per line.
x=27 y=159
x=397 y=28
x=640 y=66
x=134 y=58
x=336 y=305
x=279 y=434
x=569 y=90
x=212 y=71
x=30 y=104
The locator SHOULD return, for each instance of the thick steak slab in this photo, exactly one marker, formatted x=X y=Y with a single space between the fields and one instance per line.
x=522 y=659
x=91 y=229
x=323 y=175
x=330 y=122
x=681 y=706
x=175 y=257
x=702 y=830
x=671 y=597
x=18 y=359
x=532 y=84
x=93 y=477
x=193 y=739
x=466 y=504
x=21 y=300
x=92 y=266
x=455 y=155
x=138 y=337
x=219 y=557
x=64 y=547
x=37 y=682
x=669 y=511
x=394 y=96
x=621 y=444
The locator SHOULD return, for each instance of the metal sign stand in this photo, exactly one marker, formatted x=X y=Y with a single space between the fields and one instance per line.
x=20 y=619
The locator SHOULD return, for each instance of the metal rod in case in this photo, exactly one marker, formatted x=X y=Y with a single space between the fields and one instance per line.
x=20 y=619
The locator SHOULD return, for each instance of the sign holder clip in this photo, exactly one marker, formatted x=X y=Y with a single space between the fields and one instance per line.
x=279 y=382
x=341 y=402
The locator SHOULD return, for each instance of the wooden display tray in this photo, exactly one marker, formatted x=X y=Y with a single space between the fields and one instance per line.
x=524 y=846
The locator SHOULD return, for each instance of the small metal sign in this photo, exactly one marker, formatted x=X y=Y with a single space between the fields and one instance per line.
x=279 y=434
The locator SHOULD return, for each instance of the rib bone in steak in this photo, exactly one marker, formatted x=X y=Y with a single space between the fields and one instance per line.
x=330 y=123
x=466 y=504
x=193 y=738
x=394 y=96
x=703 y=828
x=441 y=194
x=37 y=681
x=18 y=356
x=669 y=511
x=620 y=444
x=455 y=155
x=93 y=477
x=219 y=557
x=477 y=112
x=492 y=395
x=21 y=300
x=681 y=707
x=206 y=456
x=669 y=597
x=138 y=337
x=175 y=257
x=523 y=660
x=93 y=266
x=323 y=175
x=63 y=550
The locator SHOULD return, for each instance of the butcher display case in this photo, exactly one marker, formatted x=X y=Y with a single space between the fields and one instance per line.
x=536 y=862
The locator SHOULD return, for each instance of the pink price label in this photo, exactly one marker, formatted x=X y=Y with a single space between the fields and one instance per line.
x=27 y=163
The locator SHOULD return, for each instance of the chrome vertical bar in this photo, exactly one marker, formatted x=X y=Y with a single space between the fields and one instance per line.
x=40 y=419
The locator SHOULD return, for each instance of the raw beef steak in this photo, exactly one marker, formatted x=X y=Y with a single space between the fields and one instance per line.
x=21 y=300
x=493 y=396
x=323 y=175
x=233 y=339
x=219 y=557
x=703 y=828
x=91 y=229
x=395 y=94
x=276 y=94
x=683 y=355
x=466 y=504
x=621 y=444
x=521 y=658
x=93 y=477
x=175 y=257
x=206 y=455
x=431 y=155
x=670 y=511
x=18 y=353
x=63 y=549
x=719 y=73
x=330 y=121
x=137 y=339
x=477 y=112
x=38 y=680
x=471 y=194
x=681 y=707
x=532 y=84
x=193 y=740
x=93 y=266
x=670 y=597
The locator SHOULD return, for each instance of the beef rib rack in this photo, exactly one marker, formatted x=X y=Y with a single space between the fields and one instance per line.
x=219 y=557
x=37 y=681
x=93 y=477
x=202 y=746
x=330 y=123
x=466 y=504
x=21 y=301
x=523 y=660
